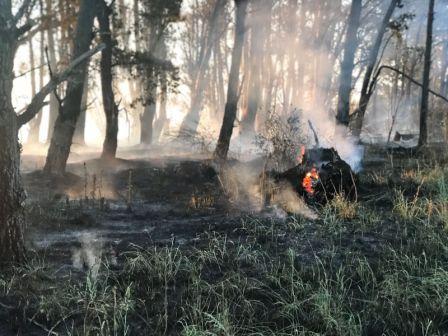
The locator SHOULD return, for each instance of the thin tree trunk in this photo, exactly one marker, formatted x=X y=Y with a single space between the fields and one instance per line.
x=222 y=148
x=373 y=57
x=66 y=121
x=444 y=78
x=78 y=137
x=33 y=135
x=162 y=122
x=147 y=119
x=424 y=107
x=54 y=104
x=347 y=66
x=191 y=120
x=256 y=54
x=11 y=189
x=110 y=108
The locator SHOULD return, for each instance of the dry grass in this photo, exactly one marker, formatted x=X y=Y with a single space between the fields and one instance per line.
x=360 y=269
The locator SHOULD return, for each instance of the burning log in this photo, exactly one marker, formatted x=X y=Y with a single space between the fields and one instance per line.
x=320 y=176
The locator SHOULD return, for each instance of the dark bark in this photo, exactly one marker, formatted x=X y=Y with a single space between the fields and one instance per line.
x=222 y=148
x=256 y=56
x=191 y=120
x=11 y=189
x=347 y=66
x=423 y=139
x=373 y=57
x=71 y=108
x=110 y=108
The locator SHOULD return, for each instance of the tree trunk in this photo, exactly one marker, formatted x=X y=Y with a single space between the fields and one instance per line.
x=110 y=108
x=11 y=191
x=347 y=66
x=33 y=136
x=373 y=57
x=162 y=121
x=191 y=120
x=149 y=113
x=78 y=137
x=71 y=108
x=256 y=56
x=222 y=148
x=424 y=107
x=54 y=104
x=444 y=78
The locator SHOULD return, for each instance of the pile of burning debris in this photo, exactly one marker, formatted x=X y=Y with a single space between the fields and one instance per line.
x=320 y=175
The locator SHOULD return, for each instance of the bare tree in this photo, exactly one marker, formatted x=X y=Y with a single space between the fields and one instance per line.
x=256 y=56
x=51 y=31
x=222 y=148
x=191 y=120
x=71 y=108
x=345 y=79
x=109 y=105
x=423 y=139
x=373 y=57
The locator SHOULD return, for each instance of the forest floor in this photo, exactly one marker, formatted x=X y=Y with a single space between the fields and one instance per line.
x=167 y=246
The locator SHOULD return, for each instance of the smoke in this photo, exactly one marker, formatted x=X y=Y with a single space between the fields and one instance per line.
x=289 y=201
x=88 y=256
x=242 y=184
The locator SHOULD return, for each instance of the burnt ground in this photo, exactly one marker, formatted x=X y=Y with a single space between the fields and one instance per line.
x=125 y=203
x=116 y=206
x=98 y=213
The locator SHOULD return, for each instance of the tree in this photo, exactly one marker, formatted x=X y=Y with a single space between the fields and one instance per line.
x=222 y=148
x=79 y=135
x=347 y=66
x=191 y=120
x=33 y=135
x=11 y=190
x=157 y=15
x=373 y=57
x=256 y=56
x=423 y=139
x=54 y=103
x=71 y=108
x=109 y=105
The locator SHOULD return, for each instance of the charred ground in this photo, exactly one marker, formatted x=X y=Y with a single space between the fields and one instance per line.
x=164 y=247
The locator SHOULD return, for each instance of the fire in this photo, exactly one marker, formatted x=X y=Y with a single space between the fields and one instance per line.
x=310 y=181
x=301 y=155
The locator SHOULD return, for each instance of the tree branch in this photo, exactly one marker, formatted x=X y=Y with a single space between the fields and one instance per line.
x=136 y=58
x=25 y=28
x=38 y=100
x=412 y=80
x=23 y=9
x=50 y=71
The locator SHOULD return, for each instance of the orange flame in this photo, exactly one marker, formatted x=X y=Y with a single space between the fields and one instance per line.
x=301 y=155
x=310 y=180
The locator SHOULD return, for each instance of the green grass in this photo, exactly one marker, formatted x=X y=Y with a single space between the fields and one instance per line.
x=360 y=269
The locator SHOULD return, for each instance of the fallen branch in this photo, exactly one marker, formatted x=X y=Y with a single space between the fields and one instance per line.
x=38 y=100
